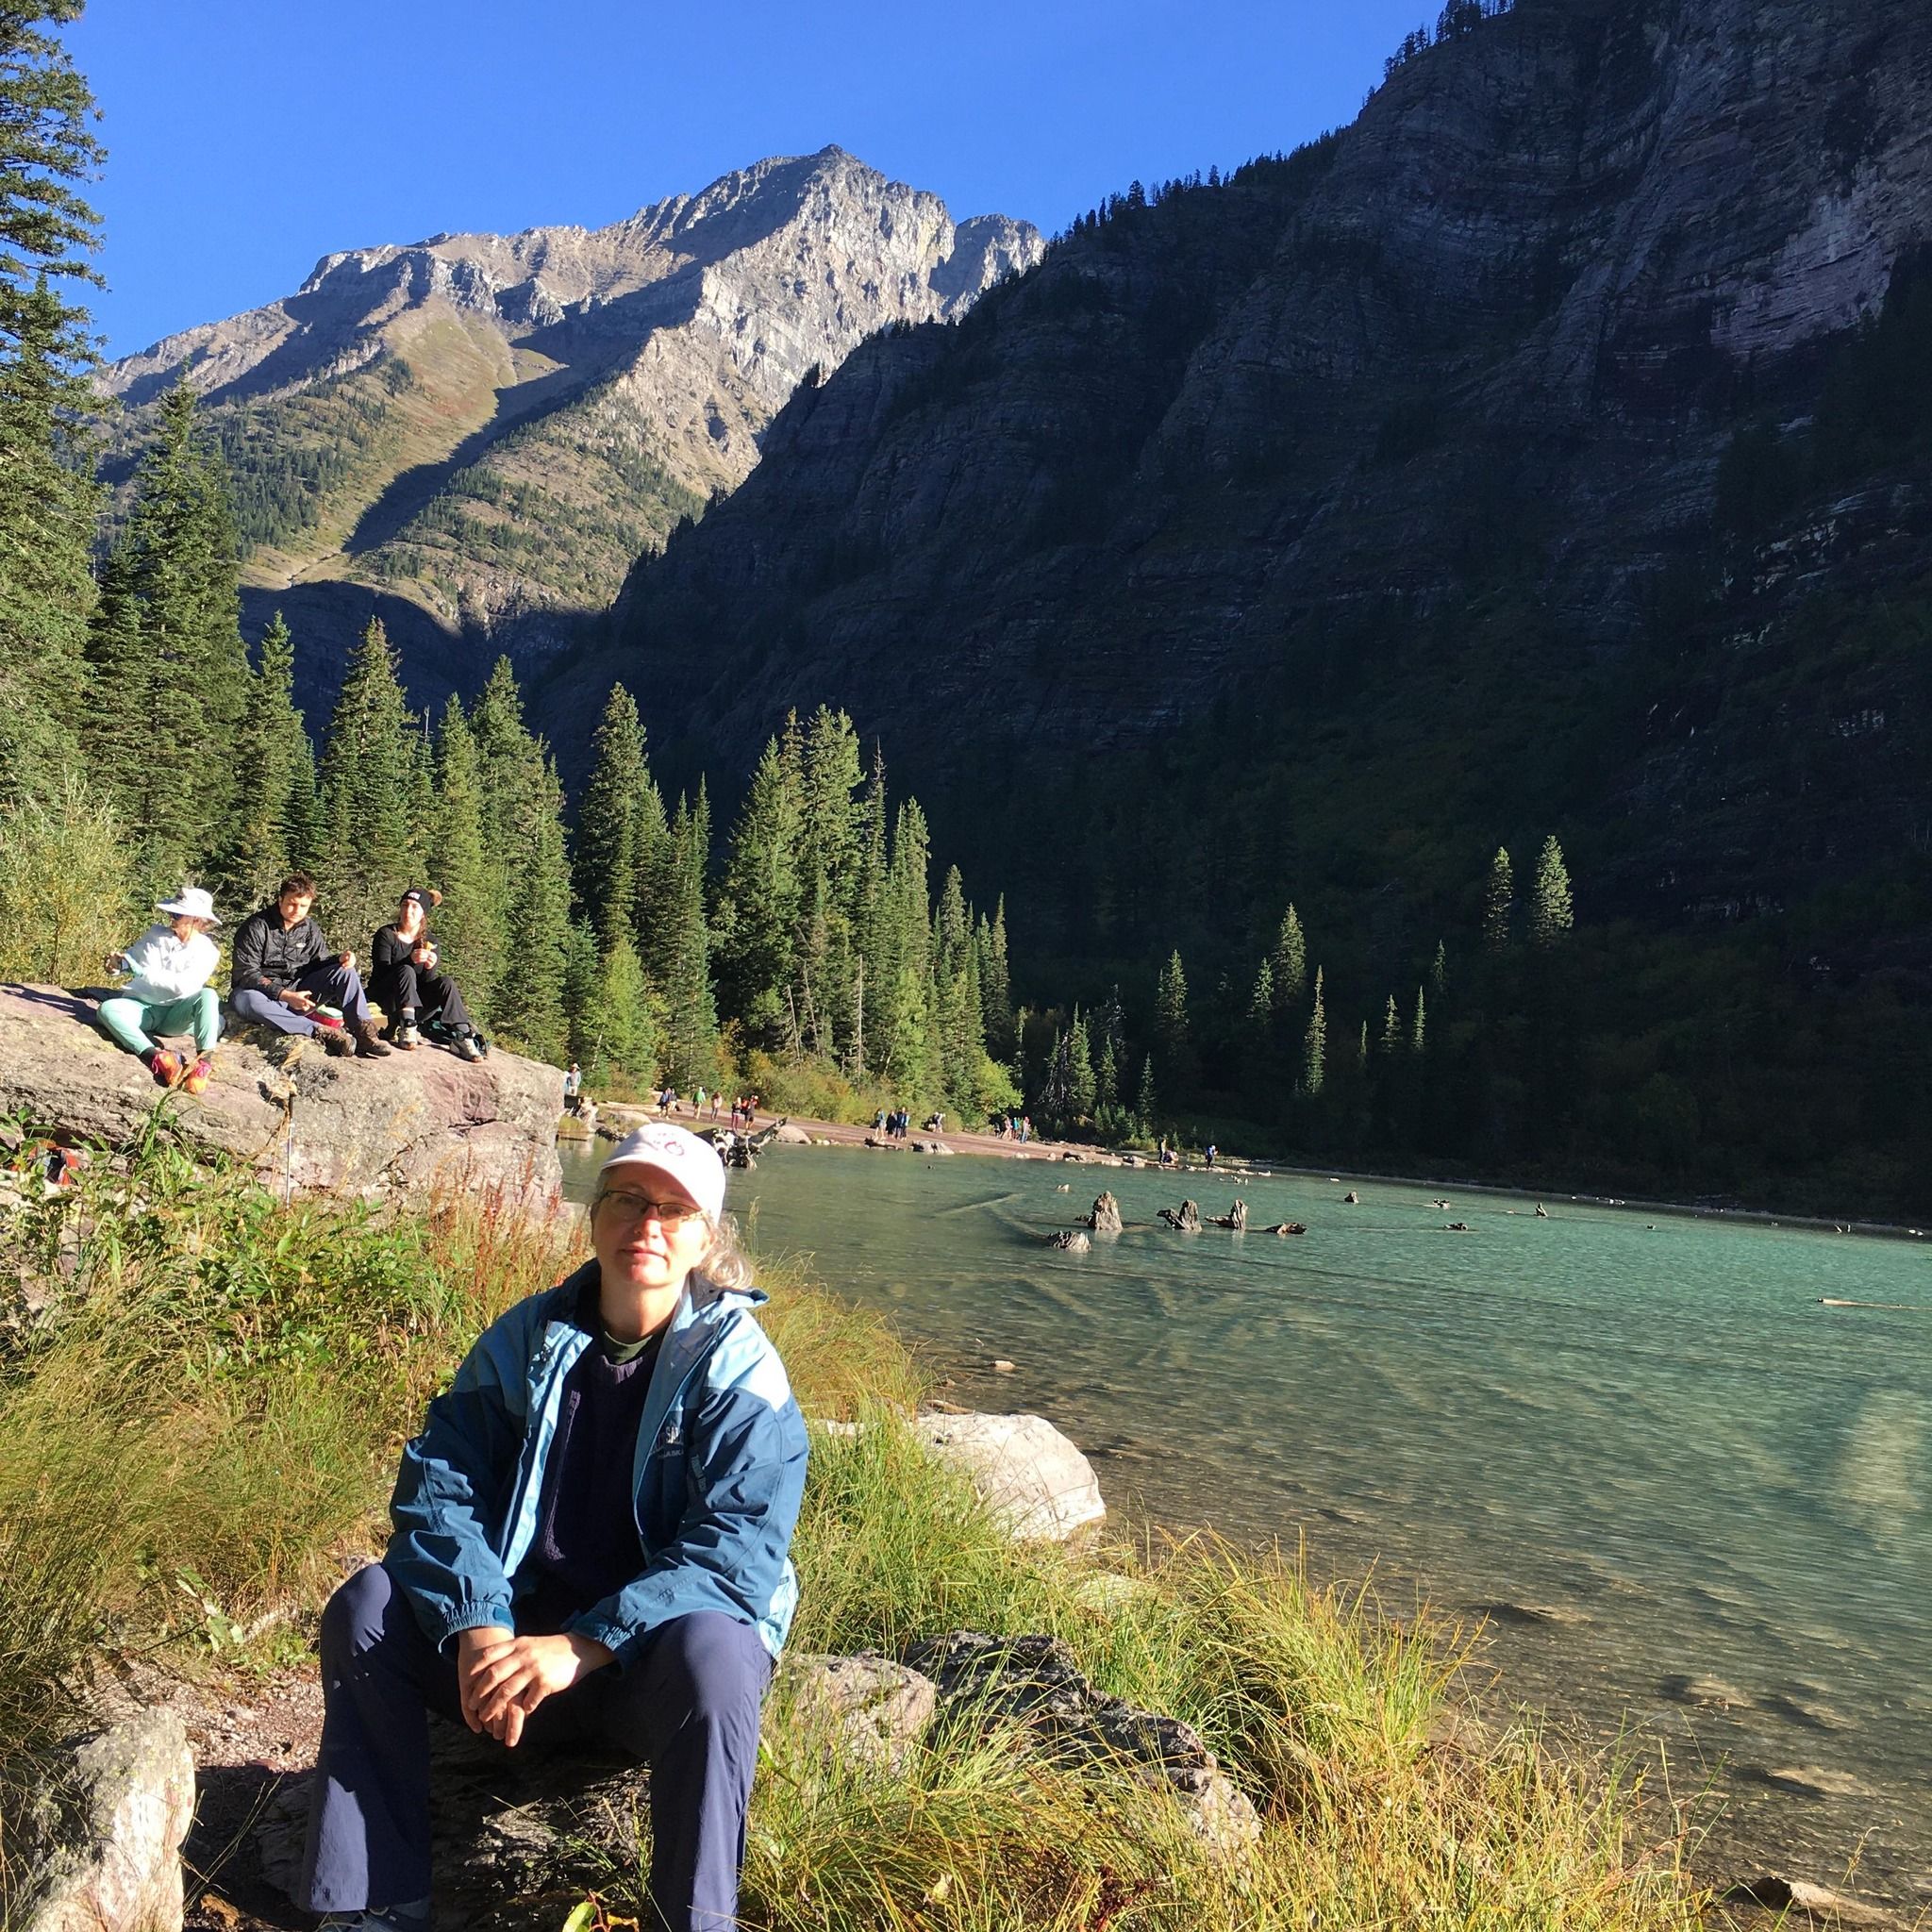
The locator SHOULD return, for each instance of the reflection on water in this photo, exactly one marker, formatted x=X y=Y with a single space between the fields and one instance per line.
x=1678 y=1486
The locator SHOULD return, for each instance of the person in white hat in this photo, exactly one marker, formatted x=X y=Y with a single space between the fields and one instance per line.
x=169 y=992
x=592 y=1547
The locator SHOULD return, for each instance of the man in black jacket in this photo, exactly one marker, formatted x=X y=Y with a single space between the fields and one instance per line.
x=283 y=971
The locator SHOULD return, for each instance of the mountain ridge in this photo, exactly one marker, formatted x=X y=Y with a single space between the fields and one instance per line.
x=490 y=428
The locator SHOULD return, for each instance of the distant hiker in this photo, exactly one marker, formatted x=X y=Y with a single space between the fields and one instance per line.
x=408 y=984
x=697 y=1105
x=1025 y=1129
x=590 y=1552
x=282 y=973
x=1212 y=1150
x=879 y=1122
x=168 y=990
x=573 y=1089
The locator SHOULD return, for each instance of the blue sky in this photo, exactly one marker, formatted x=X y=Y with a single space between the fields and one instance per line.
x=247 y=138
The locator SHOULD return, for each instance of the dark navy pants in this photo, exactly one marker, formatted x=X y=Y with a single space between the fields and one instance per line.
x=688 y=1705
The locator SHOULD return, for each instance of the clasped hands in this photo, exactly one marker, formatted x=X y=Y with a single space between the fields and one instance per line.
x=502 y=1677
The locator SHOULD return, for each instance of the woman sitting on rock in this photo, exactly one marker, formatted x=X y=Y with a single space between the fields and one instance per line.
x=591 y=1547
x=169 y=991
x=406 y=985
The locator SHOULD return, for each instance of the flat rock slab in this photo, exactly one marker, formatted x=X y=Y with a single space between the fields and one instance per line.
x=1032 y=1476
x=398 y=1125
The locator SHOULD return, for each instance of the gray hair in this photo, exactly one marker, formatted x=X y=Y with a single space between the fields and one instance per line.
x=724 y=1263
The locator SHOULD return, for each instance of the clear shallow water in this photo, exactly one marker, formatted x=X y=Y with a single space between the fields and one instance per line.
x=1638 y=1444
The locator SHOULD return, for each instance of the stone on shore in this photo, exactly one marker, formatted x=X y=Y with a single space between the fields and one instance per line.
x=1033 y=1478
x=875 y=1710
x=372 y=1127
x=121 y=1869
x=987 y=1681
x=1809 y=1901
x=789 y=1136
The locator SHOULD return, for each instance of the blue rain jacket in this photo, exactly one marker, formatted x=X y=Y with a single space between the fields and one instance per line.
x=719 y=1474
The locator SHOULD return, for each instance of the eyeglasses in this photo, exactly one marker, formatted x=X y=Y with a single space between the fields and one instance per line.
x=667 y=1214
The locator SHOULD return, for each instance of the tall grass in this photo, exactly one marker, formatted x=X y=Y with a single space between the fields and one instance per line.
x=207 y=1422
x=67 y=888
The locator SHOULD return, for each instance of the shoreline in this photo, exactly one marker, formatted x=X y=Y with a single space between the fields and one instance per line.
x=1090 y=1153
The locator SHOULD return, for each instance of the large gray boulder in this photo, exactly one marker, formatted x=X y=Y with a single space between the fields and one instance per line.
x=355 y=1126
x=1032 y=1476
x=874 y=1710
x=118 y=1869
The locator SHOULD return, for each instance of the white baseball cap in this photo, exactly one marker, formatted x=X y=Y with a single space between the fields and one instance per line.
x=691 y=1165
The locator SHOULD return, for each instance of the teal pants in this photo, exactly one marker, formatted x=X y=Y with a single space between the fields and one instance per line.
x=130 y=1021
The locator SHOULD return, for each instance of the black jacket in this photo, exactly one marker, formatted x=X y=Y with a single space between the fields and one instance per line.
x=388 y=951
x=266 y=958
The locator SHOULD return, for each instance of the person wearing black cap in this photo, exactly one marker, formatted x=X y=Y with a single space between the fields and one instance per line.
x=405 y=981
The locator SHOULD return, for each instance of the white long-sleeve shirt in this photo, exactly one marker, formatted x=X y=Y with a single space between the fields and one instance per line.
x=166 y=967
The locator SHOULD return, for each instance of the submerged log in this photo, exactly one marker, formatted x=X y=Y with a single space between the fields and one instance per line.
x=1188 y=1220
x=1235 y=1218
x=1287 y=1227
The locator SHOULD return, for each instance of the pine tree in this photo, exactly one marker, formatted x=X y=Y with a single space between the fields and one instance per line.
x=956 y=979
x=761 y=899
x=1144 y=1098
x=48 y=501
x=1499 y=898
x=370 y=840
x=523 y=831
x=1290 y=967
x=1551 y=914
x=1261 y=1002
x=1418 y=1034
x=606 y=858
x=1439 y=971
x=468 y=870
x=690 y=1019
x=1315 y=1042
x=623 y=1024
x=1392 y=1029
x=1082 y=1093
x=272 y=748
x=997 y=989
x=175 y=579
x=1361 y=1050
x=48 y=506
x=1171 y=1031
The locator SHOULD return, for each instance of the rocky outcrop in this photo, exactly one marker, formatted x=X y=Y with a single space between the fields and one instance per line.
x=990 y=1682
x=117 y=1868
x=1035 y=1479
x=872 y=1710
x=399 y=1125
x=1106 y=1215
x=531 y=409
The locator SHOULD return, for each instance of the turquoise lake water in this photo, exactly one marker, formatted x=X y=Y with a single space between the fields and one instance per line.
x=1681 y=1490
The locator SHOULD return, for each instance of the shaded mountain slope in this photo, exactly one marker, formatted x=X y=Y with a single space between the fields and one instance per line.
x=1311 y=535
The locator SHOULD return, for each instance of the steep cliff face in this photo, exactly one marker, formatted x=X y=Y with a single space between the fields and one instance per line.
x=1428 y=412
x=478 y=430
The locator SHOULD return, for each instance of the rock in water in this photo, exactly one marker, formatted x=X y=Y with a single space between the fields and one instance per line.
x=1188 y=1220
x=1106 y=1218
x=1073 y=1240
x=390 y=1126
x=1033 y=1478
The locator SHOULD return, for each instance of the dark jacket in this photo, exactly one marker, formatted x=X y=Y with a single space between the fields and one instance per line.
x=266 y=958
x=388 y=951
x=717 y=1475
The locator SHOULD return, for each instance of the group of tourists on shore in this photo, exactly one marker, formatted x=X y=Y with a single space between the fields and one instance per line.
x=283 y=975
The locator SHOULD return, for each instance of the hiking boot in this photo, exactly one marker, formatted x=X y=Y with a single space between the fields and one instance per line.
x=407 y=1037
x=165 y=1067
x=335 y=1042
x=369 y=1045
x=198 y=1075
x=466 y=1045
x=391 y=1919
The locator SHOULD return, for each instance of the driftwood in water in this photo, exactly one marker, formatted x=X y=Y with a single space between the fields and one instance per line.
x=1106 y=1218
x=1188 y=1221
x=1235 y=1218
x=1287 y=1227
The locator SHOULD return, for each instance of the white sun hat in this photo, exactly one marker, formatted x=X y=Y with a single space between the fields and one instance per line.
x=691 y=1165
x=190 y=902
